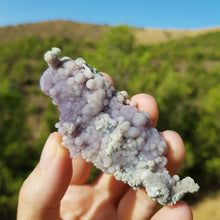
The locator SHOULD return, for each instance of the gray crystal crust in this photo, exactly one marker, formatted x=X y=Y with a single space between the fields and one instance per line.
x=105 y=128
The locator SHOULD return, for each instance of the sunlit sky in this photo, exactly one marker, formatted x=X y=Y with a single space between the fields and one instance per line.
x=165 y=14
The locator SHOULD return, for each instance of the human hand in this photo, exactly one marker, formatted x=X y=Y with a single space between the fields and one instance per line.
x=57 y=188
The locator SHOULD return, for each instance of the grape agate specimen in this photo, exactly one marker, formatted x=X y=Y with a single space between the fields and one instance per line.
x=105 y=128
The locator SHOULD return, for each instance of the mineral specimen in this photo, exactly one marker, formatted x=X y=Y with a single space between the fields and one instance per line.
x=105 y=128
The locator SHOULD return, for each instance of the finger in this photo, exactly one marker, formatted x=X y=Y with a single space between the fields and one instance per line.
x=133 y=199
x=136 y=205
x=81 y=171
x=42 y=191
x=147 y=103
x=108 y=183
x=109 y=78
x=180 y=211
x=176 y=153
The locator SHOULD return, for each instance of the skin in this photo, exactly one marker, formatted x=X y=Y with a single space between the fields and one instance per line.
x=57 y=188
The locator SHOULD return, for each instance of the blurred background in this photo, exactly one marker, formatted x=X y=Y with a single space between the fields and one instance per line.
x=167 y=49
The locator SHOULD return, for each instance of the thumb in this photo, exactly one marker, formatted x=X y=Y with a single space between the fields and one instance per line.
x=42 y=191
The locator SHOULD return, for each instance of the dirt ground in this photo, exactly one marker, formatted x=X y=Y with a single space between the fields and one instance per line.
x=209 y=208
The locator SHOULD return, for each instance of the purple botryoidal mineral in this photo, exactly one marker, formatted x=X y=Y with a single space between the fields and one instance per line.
x=105 y=128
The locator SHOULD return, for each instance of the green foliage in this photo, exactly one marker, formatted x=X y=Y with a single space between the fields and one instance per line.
x=209 y=127
x=114 y=54
x=182 y=75
x=14 y=149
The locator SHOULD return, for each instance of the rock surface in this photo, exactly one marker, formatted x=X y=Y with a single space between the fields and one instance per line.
x=105 y=128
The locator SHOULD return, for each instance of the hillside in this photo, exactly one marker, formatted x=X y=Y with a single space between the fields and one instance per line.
x=89 y=32
x=183 y=75
x=154 y=36
x=72 y=30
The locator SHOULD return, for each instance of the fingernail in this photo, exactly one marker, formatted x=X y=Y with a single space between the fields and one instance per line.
x=49 y=152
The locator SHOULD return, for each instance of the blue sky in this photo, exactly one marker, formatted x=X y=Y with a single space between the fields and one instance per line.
x=165 y=14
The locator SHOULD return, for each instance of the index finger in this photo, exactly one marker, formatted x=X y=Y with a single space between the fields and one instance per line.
x=109 y=78
x=147 y=103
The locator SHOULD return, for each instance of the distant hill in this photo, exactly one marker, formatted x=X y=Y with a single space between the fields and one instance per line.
x=73 y=30
x=91 y=32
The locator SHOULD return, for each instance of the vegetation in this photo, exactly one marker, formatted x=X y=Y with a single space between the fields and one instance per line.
x=183 y=76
